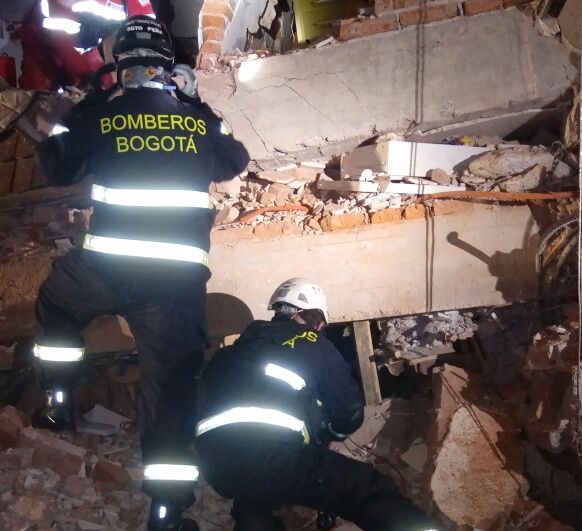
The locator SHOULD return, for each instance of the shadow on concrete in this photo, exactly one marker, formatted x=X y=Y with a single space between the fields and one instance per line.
x=518 y=263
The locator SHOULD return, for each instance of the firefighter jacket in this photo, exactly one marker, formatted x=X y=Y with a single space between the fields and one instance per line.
x=152 y=158
x=289 y=371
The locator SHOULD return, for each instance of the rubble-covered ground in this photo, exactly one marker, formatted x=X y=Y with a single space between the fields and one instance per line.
x=487 y=445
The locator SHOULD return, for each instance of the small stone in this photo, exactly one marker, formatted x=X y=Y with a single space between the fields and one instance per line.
x=439 y=176
x=110 y=475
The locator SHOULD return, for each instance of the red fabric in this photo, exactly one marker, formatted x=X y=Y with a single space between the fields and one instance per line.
x=49 y=57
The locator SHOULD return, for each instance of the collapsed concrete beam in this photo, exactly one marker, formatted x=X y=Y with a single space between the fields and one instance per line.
x=463 y=256
x=460 y=69
x=476 y=255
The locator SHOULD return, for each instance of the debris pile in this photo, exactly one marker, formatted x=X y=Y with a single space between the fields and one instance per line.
x=81 y=481
x=427 y=330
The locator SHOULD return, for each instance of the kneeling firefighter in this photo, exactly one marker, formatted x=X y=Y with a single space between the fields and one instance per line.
x=273 y=401
x=145 y=257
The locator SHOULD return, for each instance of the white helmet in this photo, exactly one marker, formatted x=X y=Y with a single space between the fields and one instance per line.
x=302 y=293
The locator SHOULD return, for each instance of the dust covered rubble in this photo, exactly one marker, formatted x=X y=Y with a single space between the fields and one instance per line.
x=427 y=330
x=78 y=482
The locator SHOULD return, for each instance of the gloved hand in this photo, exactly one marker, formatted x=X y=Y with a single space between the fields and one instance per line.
x=185 y=80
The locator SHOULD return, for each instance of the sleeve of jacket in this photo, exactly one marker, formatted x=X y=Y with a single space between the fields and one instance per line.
x=339 y=391
x=232 y=157
x=62 y=157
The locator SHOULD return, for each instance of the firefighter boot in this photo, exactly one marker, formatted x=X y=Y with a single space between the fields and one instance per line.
x=255 y=518
x=56 y=413
x=167 y=517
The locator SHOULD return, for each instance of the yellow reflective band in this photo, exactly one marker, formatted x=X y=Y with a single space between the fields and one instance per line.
x=167 y=472
x=65 y=354
x=150 y=198
x=253 y=414
x=145 y=249
x=287 y=376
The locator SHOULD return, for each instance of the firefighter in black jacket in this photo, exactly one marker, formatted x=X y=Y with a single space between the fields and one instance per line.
x=145 y=256
x=273 y=400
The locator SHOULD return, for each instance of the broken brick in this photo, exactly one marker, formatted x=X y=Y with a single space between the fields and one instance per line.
x=213 y=34
x=414 y=212
x=110 y=475
x=443 y=208
x=270 y=231
x=214 y=21
x=428 y=14
x=342 y=221
x=51 y=452
x=211 y=47
x=214 y=8
x=474 y=7
x=387 y=215
x=10 y=426
x=228 y=214
x=352 y=28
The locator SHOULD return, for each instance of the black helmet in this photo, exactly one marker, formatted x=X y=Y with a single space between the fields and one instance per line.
x=144 y=32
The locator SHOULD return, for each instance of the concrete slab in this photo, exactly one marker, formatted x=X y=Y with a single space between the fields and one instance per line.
x=482 y=255
x=459 y=69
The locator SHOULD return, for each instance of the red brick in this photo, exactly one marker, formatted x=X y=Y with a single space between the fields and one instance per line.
x=8 y=147
x=51 y=452
x=414 y=212
x=214 y=21
x=474 y=7
x=428 y=14
x=352 y=28
x=211 y=47
x=24 y=148
x=216 y=8
x=270 y=231
x=381 y=6
x=10 y=426
x=6 y=174
x=213 y=34
x=207 y=61
x=342 y=222
x=401 y=4
x=388 y=215
x=23 y=175
x=110 y=475
x=511 y=3
x=230 y=237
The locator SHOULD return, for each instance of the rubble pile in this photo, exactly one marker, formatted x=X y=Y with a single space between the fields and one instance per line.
x=548 y=404
x=78 y=482
x=428 y=330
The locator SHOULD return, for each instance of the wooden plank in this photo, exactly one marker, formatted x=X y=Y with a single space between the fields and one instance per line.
x=368 y=370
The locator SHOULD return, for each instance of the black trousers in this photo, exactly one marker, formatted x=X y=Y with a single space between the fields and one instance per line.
x=261 y=475
x=164 y=305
